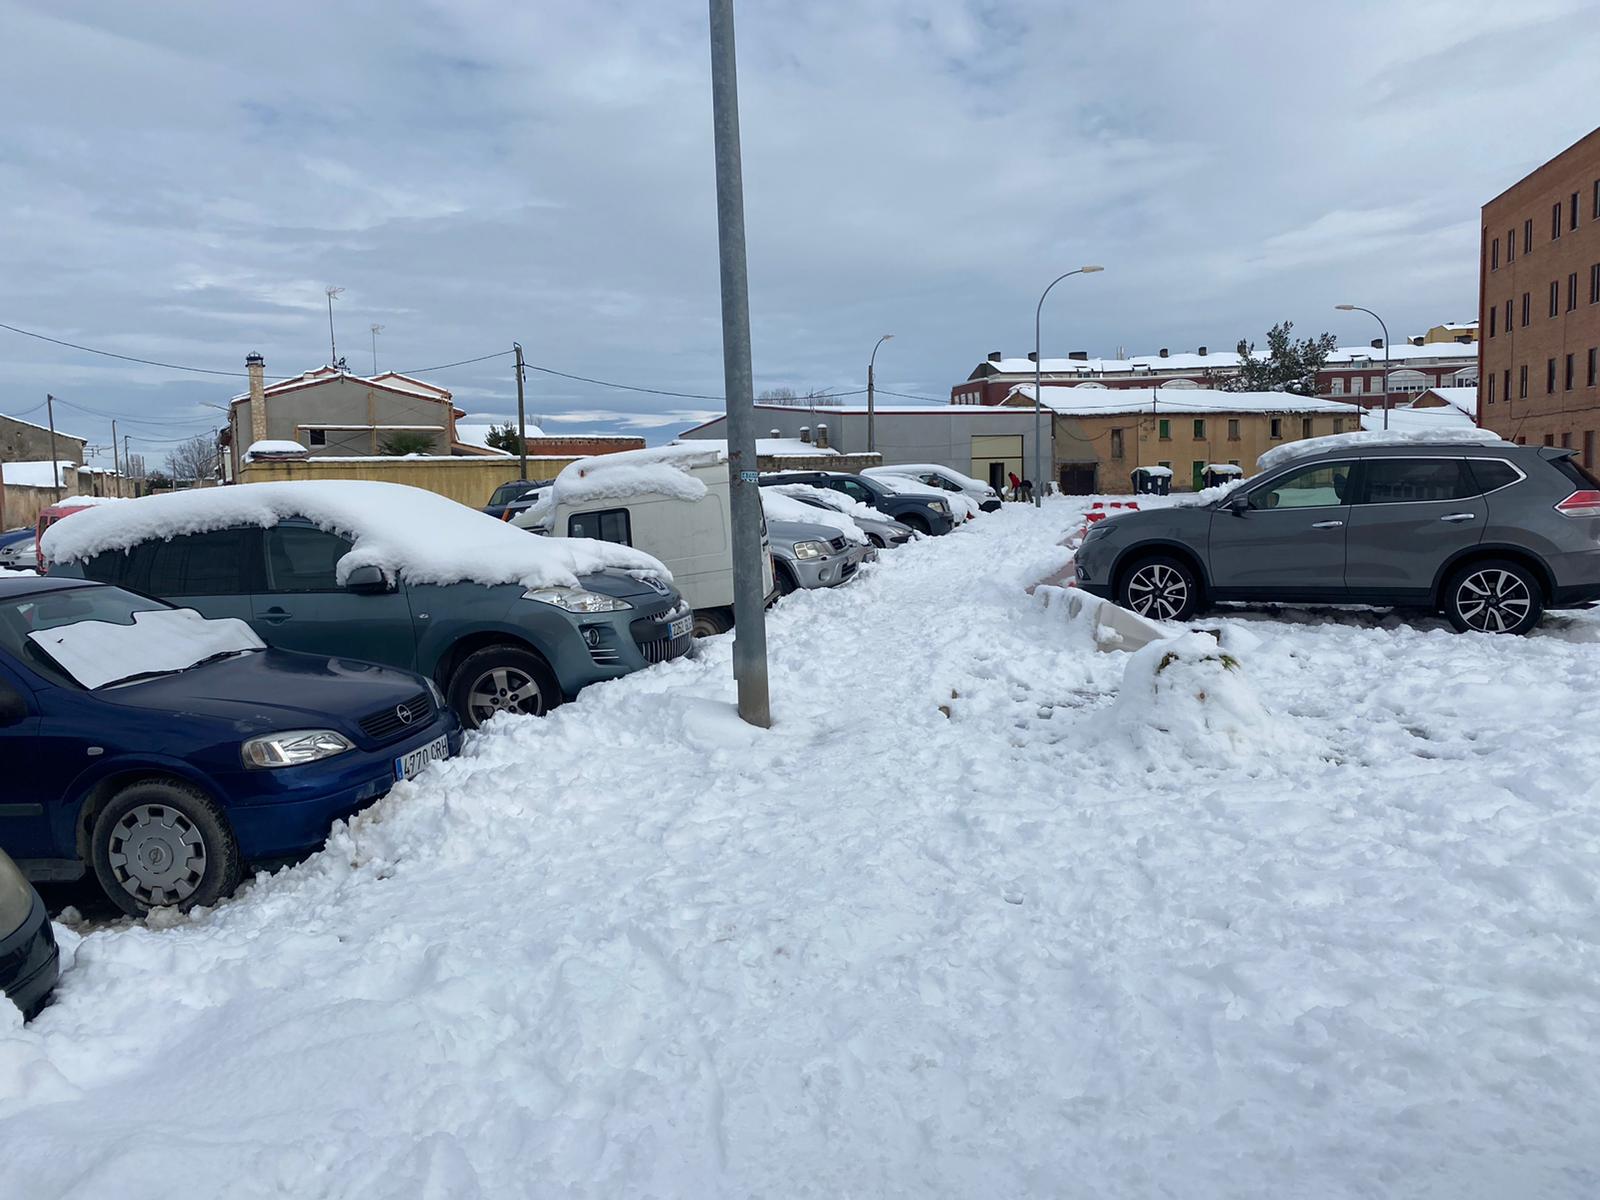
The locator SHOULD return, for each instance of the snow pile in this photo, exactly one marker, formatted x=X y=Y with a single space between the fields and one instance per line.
x=275 y=448
x=87 y=501
x=37 y=474
x=398 y=529
x=786 y=508
x=1100 y=623
x=96 y=653
x=1468 y=435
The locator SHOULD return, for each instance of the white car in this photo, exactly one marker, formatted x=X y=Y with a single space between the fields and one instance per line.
x=962 y=506
x=945 y=479
x=20 y=555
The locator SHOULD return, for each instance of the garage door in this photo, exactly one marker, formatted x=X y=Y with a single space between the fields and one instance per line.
x=995 y=457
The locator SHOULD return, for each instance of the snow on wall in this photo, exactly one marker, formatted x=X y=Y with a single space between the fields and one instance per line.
x=36 y=474
x=398 y=529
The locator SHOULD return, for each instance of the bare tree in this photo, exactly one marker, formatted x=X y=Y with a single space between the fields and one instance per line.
x=194 y=459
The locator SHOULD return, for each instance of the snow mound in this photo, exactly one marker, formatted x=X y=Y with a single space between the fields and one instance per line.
x=1361 y=439
x=1102 y=624
x=787 y=508
x=401 y=530
x=275 y=448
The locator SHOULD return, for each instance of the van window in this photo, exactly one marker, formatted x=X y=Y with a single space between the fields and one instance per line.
x=201 y=564
x=607 y=525
x=112 y=566
x=300 y=559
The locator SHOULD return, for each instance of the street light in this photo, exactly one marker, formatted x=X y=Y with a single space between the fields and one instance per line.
x=1038 y=386
x=872 y=420
x=1385 y=328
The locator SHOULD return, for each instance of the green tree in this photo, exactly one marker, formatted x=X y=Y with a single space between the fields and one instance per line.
x=406 y=441
x=1289 y=365
x=504 y=437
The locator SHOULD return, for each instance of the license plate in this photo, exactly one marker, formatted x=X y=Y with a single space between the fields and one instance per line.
x=681 y=627
x=409 y=766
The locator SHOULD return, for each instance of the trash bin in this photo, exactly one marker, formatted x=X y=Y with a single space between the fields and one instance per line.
x=1218 y=474
x=1152 y=481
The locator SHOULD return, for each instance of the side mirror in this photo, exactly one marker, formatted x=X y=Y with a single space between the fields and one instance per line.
x=1237 y=505
x=366 y=581
x=13 y=710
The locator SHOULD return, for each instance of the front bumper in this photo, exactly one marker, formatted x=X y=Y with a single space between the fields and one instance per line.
x=828 y=571
x=992 y=504
x=30 y=962
x=285 y=810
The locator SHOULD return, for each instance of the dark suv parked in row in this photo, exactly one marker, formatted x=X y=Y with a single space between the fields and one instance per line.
x=1490 y=534
x=925 y=512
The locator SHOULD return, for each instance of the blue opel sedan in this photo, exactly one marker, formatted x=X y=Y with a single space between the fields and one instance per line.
x=162 y=752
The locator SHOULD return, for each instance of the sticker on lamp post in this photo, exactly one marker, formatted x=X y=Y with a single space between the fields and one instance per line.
x=749 y=476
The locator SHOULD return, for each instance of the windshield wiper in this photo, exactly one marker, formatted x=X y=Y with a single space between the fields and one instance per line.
x=139 y=675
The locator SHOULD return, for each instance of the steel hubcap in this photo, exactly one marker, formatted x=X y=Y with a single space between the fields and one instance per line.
x=157 y=855
x=504 y=689
x=1157 y=591
x=1493 y=601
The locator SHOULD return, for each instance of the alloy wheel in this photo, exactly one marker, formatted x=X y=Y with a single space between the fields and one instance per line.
x=504 y=689
x=157 y=855
x=1493 y=600
x=1158 y=590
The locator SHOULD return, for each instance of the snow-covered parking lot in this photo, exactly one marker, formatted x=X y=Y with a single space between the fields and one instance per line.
x=986 y=913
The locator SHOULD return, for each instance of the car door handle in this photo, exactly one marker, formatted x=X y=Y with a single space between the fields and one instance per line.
x=1453 y=518
x=276 y=616
x=1327 y=524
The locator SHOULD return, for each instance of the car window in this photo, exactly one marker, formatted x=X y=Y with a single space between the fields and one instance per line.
x=1491 y=473
x=200 y=564
x=1321 y=486
x=1575 y=473
x=113 y=566
x=607 y=525
x=300 y=559
x=24 y=615
x=852 y=489
x=1415 y=480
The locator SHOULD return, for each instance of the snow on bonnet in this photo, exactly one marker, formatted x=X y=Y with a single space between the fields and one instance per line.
x=787 y=508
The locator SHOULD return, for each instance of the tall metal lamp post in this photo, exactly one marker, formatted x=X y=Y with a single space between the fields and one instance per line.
x=1385 y=328
x=872 y=412
x=1038 y=386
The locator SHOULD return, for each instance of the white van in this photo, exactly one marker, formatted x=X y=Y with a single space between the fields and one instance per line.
x=669 y=501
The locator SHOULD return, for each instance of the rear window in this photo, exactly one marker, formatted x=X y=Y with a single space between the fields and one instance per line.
x=1576 y=474
x=1491 y=473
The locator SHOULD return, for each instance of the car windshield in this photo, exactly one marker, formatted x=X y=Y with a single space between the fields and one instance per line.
x=507 y=492
x=95 y=636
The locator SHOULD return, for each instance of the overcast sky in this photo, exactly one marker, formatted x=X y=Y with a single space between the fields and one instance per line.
x=180 y=181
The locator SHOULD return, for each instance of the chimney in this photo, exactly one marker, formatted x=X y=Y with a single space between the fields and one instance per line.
x=1033 y=356
x=822 y=436
x=995 y=356
x=1163 y=352
x=1079 y=356
x=256 y=367
x=1377 y=343
x=774 y=433
x=1418 y=340
x=805 y=434
x=1201 y=352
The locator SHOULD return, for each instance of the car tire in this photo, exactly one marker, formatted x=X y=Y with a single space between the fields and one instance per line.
x=917 y=522
x=1493 y=595
x=1161 y=587
x=160 y=843
x=782 y=579
x=500 y=679
x=709 y=622
x=877 y=541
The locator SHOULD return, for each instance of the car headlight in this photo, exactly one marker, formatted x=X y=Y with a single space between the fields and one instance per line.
x=576 y=600
x=940 y=506
x=293 y=747
x=811 y=550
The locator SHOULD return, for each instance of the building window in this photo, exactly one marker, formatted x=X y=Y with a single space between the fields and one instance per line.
x=1573 y=210
x=1199 y=429
x=1305 y=427
x=1511 y=245
x=1549 y=377
x=1549 y=439
x=1594 y=284
x=1527 y=236
x=1338 y=424
x=1566 y=441
x=1569 y=373
x=1494 y=255
x=1594 y=212
x=1233 y=422
x=1555 y=297
x=1358 y=385
x=1522 y=382
x=1337 y=388
x=1116 y=443
x=1494 y=313
x=1572 y=291
x=1555 y=220
x=1491 y=389
x=1505 y=386
x=1588 y=449
x=1164 y=430
x=1591 y=367
x=1276 y=429
x=317 y=437
x=1527 y=299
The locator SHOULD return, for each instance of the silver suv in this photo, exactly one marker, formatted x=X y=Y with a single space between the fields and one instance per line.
x=1490 y=534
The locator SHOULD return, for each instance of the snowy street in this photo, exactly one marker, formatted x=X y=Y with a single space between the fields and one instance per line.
x=988 y=912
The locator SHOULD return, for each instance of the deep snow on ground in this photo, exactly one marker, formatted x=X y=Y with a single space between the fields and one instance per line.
x=987 y=913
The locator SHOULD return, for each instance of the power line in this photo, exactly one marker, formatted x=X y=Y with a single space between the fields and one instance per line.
x=624 y=387
x=124 y=357
x=463 y=362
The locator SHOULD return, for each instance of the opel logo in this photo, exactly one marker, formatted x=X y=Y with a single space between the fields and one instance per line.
x=404 y=713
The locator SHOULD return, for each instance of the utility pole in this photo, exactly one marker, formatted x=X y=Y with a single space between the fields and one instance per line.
x=128 y=459
x=522 y=419
x=55 y=463
x=376 y=330
x=872 y=412
x=116 y=464
x=333 y=350
x=744 y=488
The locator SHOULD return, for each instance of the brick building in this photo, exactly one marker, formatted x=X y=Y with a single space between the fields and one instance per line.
x=1539 y=304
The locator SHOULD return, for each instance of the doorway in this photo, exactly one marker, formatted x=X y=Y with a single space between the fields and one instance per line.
x=1079 y=479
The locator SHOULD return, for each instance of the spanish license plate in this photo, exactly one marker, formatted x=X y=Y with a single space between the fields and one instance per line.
x=680 y=627
x=409 y=766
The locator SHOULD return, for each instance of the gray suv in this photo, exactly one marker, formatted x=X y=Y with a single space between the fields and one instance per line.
x=1490 y=534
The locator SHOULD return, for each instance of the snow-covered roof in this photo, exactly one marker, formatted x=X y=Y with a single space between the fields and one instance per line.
x=388 y=380
x=772 y=447
x=37 y=474
x=1368 y=438
x=780 y=507
x=1401 y=352
x=1463 y=398
x=1227 y=360
x=60 y=433
x=475 y=434
x=1091 y=402
x=275 y=448
x=418 y=534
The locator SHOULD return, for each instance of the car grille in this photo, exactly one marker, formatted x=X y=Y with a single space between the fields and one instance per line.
x=387 y=724
x=838 y=544
x=659 y=650
x=847 y=570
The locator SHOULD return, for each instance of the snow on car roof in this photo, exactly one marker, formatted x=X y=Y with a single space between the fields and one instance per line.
x=1370 y=438
x=398 y=529
x=654 y=471
x=837 y=501
x=779 y=507
x=937 y=468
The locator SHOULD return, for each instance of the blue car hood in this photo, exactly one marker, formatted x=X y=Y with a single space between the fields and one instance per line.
x=273 y=689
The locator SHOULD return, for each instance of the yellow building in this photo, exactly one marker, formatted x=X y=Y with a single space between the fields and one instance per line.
x=1101 y=435
x=1452 y=331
